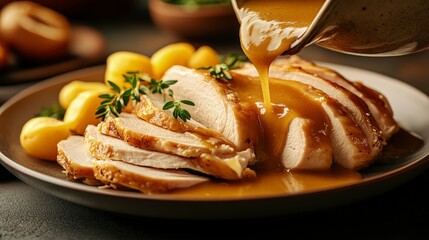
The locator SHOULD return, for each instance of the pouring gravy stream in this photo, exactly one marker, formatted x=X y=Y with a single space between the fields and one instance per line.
x=269 y=28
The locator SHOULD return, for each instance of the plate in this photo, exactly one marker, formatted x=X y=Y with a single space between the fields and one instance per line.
x=409 y=105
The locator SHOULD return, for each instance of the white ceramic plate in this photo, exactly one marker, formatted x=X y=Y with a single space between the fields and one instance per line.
x=410 y=107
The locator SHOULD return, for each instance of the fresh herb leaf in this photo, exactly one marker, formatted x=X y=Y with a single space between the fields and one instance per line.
x=221 y=71
x=54 y=111
x=168 y=105
x=179 y=111
x=187 y=102
x=234 y=60
x=141 y=84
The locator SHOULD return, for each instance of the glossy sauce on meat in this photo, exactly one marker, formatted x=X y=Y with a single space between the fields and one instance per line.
x=269 y=182
x=269 y=28
x=290 y=99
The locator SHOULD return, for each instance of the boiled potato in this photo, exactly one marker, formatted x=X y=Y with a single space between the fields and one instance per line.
x=72 y=89
x=204 y=56
x=40 y=135
x=81 y=111
x=170 y=55
x=119 y=63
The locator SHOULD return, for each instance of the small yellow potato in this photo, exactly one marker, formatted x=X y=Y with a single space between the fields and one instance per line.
x=81 y=111
x=40 y=135
x=72 y=89
x=170 y=55
x=204 y=56
x=119 y=63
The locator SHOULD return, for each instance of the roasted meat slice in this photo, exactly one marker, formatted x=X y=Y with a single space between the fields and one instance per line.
x=142 y=134
x=212 y=154
x=302 y=150
x=349 y=145
x=377 y=102
x=216 y=106
x=75 y=160
x=144 y=179
x=79 y=164
x=150 y=109
x=109 y=148
x=351 y=103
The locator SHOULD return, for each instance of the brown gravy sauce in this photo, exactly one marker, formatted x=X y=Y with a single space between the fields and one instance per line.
x=268 y=29
x=279 y=182
x=289 y=100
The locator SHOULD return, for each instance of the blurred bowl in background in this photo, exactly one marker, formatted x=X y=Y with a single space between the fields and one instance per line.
x=194 y=22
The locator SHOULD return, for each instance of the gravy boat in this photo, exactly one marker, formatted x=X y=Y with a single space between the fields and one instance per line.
x=366 y=27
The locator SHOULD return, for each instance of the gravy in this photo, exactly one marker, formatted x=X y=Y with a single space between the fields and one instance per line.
x=269 y=28
x=279 y=182
x=289 y=100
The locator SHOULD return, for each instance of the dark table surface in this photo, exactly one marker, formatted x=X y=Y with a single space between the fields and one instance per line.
x=401 y=213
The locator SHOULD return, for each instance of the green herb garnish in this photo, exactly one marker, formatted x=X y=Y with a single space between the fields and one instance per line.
x=221 y=71
x=178 y=111
x=141 y=84
x=54 y=111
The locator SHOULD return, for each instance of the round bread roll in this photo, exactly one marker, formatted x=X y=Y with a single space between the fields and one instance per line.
x=34 y=31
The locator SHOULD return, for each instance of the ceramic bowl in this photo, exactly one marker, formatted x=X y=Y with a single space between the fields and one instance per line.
x=203 y=21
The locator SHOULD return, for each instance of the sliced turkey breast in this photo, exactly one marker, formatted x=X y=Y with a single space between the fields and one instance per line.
x=216 y=106
x=142 y=134
x=302 y=150
x=144 y=179
x=351 y=147
x=348 y=145
x=214 y=155
x=79 y=164
x=377 y=102
x=109 y=148
x=355 y=106
x=380 y=108
x=75 y=160
x=150 y=109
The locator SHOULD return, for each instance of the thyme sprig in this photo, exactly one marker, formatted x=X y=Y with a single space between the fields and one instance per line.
x=141 y=84
x=221 y=71
x=178 y=111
